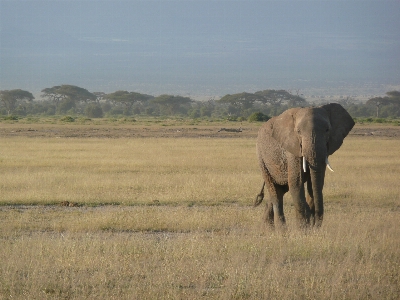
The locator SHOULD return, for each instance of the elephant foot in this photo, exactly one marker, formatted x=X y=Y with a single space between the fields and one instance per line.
x=303 y=222
x=281 y=222
x=276 y=226
x=312 y=220
x=270 y=225
x=318 y=221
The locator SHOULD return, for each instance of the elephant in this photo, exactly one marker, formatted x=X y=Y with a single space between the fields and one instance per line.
x=293 y=149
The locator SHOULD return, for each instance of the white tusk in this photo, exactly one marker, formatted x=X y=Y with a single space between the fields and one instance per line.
x=304 y=164
x=327 y=163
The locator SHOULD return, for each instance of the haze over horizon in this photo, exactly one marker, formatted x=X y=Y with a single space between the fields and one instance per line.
x=201 y=48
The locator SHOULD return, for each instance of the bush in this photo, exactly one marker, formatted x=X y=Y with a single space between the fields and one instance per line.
x=67 y=119
x=20 y=111
x=11 y=118
x=66 y=105
x=106 y=107
x=258 y=117
x=194 y=114
x=127 y=112
x=115 y=111
x=94 y=111
x=232 y=118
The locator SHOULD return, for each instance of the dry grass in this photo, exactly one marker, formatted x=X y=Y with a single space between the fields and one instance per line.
x=201 y=239
x=366 y=172
x=127 y=171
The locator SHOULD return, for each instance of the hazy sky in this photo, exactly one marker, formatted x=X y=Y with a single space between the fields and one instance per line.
x=198 y=47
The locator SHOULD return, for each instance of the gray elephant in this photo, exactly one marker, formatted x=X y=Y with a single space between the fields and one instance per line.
x=293 y=149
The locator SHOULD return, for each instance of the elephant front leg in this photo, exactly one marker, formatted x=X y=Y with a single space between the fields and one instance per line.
x=310 y=201
x=297 y=191
x=302 y=209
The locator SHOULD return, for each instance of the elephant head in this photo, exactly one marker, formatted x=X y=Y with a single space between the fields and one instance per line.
x=313 y=133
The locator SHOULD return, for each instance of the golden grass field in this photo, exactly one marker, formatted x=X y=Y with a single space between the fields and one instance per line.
x=172 y=218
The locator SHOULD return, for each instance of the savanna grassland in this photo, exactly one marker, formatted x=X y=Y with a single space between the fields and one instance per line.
x=169 y=215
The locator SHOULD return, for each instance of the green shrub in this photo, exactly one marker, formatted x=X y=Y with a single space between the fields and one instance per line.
x=379 y=120
x=124 y=120
x=232 y=118
x=194 y=114
x=94 y=111
x=66 y=105
x=11 y=118
x=258 y=117
x=68 y=119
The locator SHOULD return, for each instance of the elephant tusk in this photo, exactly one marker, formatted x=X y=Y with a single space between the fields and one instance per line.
x=327 y=163
x=304 y=164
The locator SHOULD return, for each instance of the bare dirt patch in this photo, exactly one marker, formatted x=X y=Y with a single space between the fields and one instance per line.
x=158 y=131
x=386 y=131
x=124 y=131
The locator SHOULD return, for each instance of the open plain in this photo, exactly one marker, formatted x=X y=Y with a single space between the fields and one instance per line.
x=164 y=211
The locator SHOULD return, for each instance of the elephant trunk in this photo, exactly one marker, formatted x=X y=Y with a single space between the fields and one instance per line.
x=317 y=176
x=315 y=159
x=315 y=151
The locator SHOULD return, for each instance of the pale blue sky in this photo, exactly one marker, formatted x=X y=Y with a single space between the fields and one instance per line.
x=198 y=47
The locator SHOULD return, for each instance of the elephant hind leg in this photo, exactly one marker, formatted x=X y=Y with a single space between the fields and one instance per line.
x=269 y=210
x=269 y=215
x=274 y=211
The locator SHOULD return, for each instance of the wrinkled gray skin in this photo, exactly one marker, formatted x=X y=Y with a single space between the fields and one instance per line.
x=315 y=133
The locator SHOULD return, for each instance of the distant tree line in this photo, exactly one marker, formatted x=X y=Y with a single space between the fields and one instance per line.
x=74 y=100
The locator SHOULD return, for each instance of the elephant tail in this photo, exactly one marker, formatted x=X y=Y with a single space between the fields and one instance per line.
x=260 y=197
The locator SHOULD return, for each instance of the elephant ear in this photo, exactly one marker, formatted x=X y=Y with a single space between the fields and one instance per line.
x=284 y=133
x=341 y=124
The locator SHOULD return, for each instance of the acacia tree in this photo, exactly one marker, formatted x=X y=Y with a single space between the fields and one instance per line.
x=392 y=99
x=170 y=104
x=11 y=98
x=68 y=92
x=377 y=101
x=275 y=98
x=240 y=101
x=128 y=99
x=99 y=96
x=53 y=95
x=394 y=96
x=280 y=97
